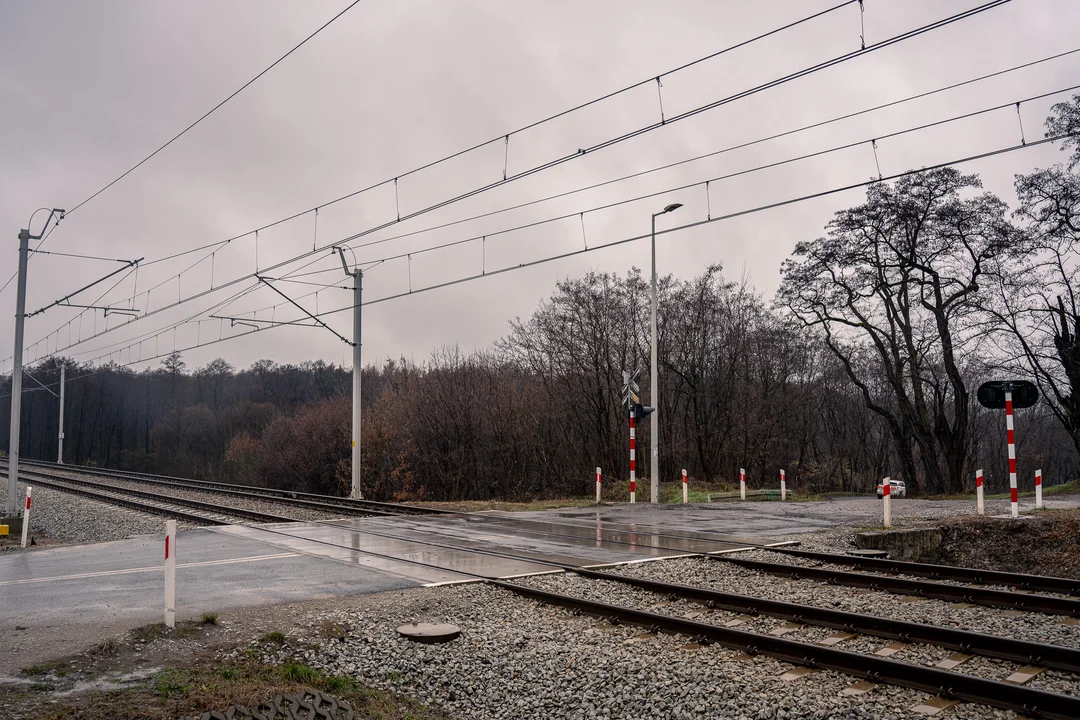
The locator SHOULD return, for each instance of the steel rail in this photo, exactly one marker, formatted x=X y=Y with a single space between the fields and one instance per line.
x=1021 y=651
x=399 y=508
x=1065 y=586
x=970 y=688
x=198 y=505
x=920 y=588
x=316 y=505
x=132 y=504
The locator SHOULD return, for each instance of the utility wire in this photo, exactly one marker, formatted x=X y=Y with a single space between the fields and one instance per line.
x=213 y=109
x=595 y=248
x=838 y=148
x=713 y=153
x=603 y=144
x=778 y=163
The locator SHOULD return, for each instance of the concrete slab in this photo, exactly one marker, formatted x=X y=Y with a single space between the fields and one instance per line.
x=123 y=579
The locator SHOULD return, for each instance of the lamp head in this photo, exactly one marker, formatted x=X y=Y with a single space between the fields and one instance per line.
x=672 y=207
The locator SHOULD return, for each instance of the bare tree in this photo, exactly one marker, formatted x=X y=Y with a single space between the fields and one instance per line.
x=891 y=288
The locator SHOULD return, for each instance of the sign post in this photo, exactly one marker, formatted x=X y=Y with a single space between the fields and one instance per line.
x=636 y=411
x=742 y=483
x=685 y=488
x=783 y=485
x=597 y=486
x=1038 y=488
x=1010 y=395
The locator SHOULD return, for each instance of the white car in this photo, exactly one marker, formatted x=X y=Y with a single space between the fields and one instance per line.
x=897 y=488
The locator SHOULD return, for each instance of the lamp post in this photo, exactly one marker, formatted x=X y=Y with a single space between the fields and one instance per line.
x=654 y=392
x=11 y=506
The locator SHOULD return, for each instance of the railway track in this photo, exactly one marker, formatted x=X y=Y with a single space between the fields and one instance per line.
x=164 y=505
x=369 y=507
x=881 y=670
x=1028 y=701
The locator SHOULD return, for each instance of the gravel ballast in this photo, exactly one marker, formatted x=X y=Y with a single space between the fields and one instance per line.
x=517 y=658
x=70 y=518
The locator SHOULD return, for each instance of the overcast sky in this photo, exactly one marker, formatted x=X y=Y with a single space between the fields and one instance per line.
x=89 y=89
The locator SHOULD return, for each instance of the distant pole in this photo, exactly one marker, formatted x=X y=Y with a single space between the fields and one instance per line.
x=12 y=506
x=979 y=492
x=597 y=486
x=783 y=485
x=357 y=367
x=26 y=516
x=685 y=488
x=633 y=466
x=170 y=573
x=886 y=496
x=742 y=483
x=60 y=437
x=1038 y=488
x=1011 y=435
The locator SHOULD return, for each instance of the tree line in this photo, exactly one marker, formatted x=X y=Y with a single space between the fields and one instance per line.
x=864 y=365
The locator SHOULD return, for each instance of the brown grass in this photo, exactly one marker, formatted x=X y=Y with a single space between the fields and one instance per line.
x=214 y=685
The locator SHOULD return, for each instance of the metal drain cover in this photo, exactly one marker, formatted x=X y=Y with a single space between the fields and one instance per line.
x=429 y=632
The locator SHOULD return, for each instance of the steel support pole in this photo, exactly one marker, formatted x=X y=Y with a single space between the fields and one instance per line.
x=12 y=504
x=654 y=389
x=358 y=282
x=60 y=437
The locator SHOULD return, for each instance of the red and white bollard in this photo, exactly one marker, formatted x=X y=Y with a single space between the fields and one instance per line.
x=886 y=498
x=1010 y=433
x=170 y=573
x=597 y=486
x=783 y=485
x=1038 y=488
x=685 y=488
x=979 y=492
x=26 y=516
x=633 y=466
x=742 y=483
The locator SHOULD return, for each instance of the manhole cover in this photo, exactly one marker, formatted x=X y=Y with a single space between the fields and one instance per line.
x=429 y=632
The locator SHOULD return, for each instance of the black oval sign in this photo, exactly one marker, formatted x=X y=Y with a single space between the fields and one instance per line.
x=992 y=394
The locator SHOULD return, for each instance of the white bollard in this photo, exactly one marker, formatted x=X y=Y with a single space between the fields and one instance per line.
x=26 y=516
x=742 y=483
x=783 y=485
x=170 y=573
x=886 y=497
x=685 y=488
x=597 y=486
x=979 y=492
x=1038 y=488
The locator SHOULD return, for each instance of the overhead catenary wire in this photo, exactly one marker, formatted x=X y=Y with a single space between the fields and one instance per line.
x=616 y=243
x=505 y=137
x=598 y=146
x=713 y=153
x=580 y=214
x=211 y=111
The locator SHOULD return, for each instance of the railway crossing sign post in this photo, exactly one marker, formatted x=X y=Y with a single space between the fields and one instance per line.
x=1009 y=394
x=636 y=411
x=630 y=399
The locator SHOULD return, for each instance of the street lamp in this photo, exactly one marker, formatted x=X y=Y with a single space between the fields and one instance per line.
x=654 y=391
